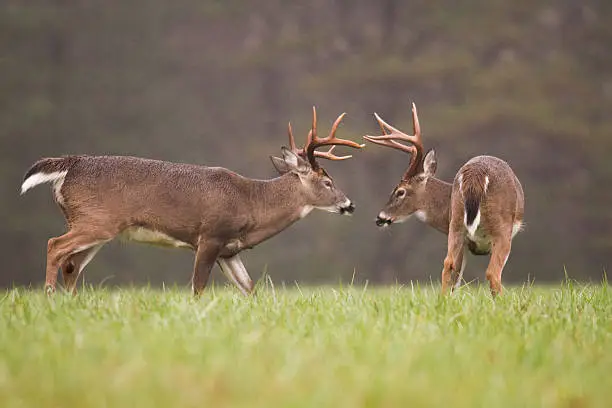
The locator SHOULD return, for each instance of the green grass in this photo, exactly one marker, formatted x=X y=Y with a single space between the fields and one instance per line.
x=321 y=347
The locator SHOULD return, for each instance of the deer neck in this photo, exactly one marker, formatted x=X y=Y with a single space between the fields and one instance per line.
x=275 y=204
x=436 y=204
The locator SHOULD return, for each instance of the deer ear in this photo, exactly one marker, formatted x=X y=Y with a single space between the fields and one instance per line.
x=430 y=164
x=293 y=162
x=280 y=165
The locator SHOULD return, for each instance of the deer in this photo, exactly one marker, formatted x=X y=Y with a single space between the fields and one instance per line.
x=482 y=210
x=212 y=211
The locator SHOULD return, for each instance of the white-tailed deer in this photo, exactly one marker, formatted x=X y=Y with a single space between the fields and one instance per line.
x=482 y=209
x=210 y=210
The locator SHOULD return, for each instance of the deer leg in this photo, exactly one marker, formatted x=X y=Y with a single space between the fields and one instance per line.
x=453 y=261
x=206 y=255
x=456 y=276
x=68 y=268
x=60 y=249
x=499 y=255
x=234 y=270
x=229 y=274
x=74 y=265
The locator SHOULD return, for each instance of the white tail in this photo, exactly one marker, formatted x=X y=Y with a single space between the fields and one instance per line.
x=55 y=177
x=482 y=210
x=210 y=210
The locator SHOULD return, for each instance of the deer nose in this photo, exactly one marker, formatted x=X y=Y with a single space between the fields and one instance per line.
x=383 y=220
x=348 y=209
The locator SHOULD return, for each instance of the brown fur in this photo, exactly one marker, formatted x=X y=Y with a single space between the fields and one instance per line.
x=473 y=189
x=212 y=210
x=454 y=208
x=501 y=208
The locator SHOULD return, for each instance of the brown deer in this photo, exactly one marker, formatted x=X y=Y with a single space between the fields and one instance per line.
x=210 y=210
x=482 y=209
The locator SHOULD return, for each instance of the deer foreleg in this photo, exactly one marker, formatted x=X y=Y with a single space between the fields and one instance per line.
x=74 y=265
x=235 y=271
x=206 y=255
x=60 y=250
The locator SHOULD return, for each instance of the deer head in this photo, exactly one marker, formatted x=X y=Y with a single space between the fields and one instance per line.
x=409 y=196
x=318 y=187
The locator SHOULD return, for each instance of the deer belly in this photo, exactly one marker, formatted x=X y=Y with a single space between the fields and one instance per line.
x=148 y=236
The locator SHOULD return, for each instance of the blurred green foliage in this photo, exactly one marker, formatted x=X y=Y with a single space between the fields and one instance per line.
x=216 y=82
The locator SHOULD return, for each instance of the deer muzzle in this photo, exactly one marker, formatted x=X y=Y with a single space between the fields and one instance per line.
x=383 y=220
x=349 y=209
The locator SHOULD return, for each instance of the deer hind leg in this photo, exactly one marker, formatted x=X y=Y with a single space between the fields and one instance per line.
x=206 y=255
x=234 y=270
x=453 y=263
x=60 y=249
x=499 y=256
x=457 y=276
x=74 y=266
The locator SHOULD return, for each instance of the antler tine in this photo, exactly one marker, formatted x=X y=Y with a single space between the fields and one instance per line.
x=332 y=132
x=386 y=141
x=392 y=140
x=291 y=138
x=383 y=130
x=397 y=134
x=416 y=126
x=330 y=156
x=315 y=142
x=313 y=136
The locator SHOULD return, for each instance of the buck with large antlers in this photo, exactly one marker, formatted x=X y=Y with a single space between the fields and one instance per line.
x=210 y=210
x=482 y=209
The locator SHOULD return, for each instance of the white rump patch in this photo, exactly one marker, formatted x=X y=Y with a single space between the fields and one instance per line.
x=306 y=210
x=57 y=178
x=471 y=229
x=148 y=236
x=486 y=184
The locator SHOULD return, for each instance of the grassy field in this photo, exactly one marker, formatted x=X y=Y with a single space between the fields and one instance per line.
x=320 y=347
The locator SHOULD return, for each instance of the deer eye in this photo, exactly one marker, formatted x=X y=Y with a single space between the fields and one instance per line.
x=400 y=193
x=327 y=183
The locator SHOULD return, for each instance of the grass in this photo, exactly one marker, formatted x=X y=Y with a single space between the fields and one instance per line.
x=320 y=347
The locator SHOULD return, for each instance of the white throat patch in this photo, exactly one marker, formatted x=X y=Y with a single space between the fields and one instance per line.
x=306 y=210
x=421 y=215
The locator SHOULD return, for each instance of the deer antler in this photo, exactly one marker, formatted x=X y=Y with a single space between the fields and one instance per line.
x=313 y=142
x=392 y=140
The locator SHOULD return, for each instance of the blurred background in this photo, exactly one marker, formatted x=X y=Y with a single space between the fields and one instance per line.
x=215 y=83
